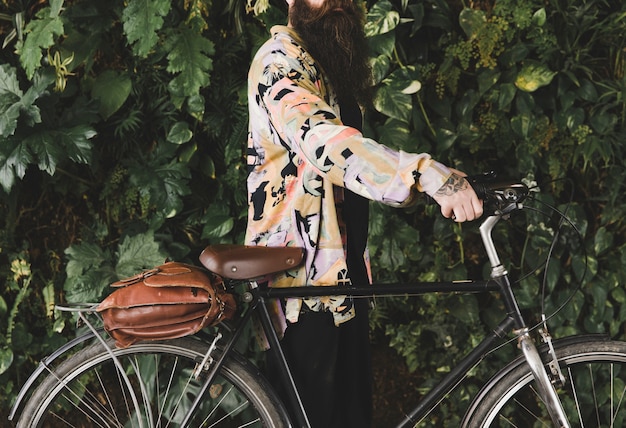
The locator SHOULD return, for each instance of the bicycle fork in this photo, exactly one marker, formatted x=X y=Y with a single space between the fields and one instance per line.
x=545 y=386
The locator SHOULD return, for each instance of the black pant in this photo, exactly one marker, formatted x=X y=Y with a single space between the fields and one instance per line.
x=331 y=367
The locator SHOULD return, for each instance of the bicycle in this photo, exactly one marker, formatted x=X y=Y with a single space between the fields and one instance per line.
x=202 y=380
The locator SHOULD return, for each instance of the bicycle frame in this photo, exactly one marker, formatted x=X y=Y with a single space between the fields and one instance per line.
x=257 y=297
x=499 y=282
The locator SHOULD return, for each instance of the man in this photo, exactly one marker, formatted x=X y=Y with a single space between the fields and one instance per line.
x=311 y=172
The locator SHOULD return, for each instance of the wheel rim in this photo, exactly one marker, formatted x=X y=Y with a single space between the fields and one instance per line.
x=594 y=395
x=96 y=395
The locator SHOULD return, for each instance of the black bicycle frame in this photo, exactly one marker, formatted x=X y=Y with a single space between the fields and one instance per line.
x=512 y=321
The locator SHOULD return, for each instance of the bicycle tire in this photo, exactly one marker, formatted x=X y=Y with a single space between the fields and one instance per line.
x=594 y=394
x=86 y=390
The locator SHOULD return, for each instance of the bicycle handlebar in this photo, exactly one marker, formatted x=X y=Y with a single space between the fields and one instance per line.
x=500 y=193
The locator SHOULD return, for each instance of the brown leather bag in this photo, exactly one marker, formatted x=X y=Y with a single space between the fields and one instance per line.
x=169 y=301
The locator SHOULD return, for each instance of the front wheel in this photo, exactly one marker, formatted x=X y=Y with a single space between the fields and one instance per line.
x=594 y=394
x=88 y=390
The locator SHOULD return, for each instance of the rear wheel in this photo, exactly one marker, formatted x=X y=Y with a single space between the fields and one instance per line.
x=594 y=394
x=88 y=390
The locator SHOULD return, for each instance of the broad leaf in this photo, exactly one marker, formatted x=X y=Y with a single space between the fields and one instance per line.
x=533 y=76
x=137 y=253
x=471 y=20
x=189 y=57
x=381 y=19
x=40 y=35
x=75 y=142
x=391 y=98
x=395 y=134
x=142 y=20
x=179 y=133
x=14 y=159
x=84 y=257
x=6 y=359
x=10 y=95
x=111 y=89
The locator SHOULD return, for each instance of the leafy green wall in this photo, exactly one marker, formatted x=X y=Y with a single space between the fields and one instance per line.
x=122 y=126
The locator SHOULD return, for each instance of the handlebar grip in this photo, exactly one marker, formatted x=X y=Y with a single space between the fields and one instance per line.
x=500 y=192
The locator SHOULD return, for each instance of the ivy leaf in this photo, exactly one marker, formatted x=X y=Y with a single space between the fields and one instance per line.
x=179 y=133
x=111 y=89
x=380 y=67
x=395 y=134
x=40 y=34
x=602 y=241
x=189 y=57
x=533 y=76
x=381 y=19
x=137 y=253
x=142 y=19
x=6 y=359
x=471 y=20
x=391 y=98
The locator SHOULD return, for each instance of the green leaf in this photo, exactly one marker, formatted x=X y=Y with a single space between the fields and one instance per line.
x=380 y=67
x=189 y=57
x=523 y=124
x=507 y=93
x=393 y=103
x=179 y=133
x=10 y=95
x=381 y=19
x=383 y=44
x=602 y=241
x=76 y=142
x=539 y=17
x=46 y=152
x=486 y=79
x=216 y=226
x=137 y=253
x=533 y=76
x=84 y=257
x=111 y=89
x=3 y=307
x=471 y=21
x=395 y=133
x=195 y=106
x=142 y=19
x=391 y=99
x=40 y=35
x=6 y=359
x=14 y=159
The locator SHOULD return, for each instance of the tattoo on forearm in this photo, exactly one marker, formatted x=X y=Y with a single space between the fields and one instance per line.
x=454 y=184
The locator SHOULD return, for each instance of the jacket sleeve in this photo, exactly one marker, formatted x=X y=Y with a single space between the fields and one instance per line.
x=314 y=132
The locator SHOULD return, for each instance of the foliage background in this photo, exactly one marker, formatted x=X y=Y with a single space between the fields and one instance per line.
x=122 y=126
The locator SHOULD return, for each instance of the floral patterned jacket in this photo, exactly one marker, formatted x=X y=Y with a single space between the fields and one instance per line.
x=300 y=154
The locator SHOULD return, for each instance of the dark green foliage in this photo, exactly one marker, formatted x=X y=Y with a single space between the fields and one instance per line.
x=122 y=134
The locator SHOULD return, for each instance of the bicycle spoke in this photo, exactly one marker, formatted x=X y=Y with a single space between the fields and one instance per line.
x=89 y=391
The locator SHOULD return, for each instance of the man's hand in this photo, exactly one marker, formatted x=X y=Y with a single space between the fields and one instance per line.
x=458 y=200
